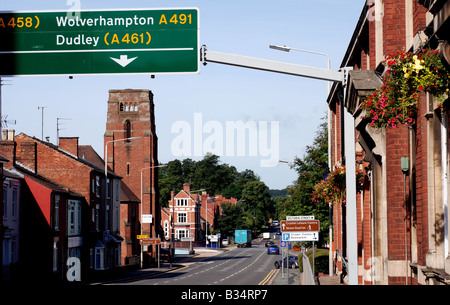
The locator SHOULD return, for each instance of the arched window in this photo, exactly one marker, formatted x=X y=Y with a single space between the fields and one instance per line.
x=121 y=106
x=128 y=129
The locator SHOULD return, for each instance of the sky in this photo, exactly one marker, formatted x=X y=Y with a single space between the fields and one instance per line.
x=291 y=107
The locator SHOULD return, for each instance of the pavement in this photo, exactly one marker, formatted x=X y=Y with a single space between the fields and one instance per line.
x=279 y=277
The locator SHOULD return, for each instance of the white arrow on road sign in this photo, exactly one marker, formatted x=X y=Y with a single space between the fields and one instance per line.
x=123 y=61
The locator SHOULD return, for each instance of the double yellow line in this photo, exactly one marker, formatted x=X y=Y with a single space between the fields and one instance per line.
x=268 y=277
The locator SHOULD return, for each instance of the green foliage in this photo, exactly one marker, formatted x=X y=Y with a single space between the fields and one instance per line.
x=231 y=218
x=252 y=211
x=257 y=204
x=321 y=261
x=208 y=174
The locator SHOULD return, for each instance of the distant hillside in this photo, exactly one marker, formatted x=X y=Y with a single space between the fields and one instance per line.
x=278 y=193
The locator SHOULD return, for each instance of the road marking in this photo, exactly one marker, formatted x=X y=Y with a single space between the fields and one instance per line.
x=233 y=274
x=268 y=277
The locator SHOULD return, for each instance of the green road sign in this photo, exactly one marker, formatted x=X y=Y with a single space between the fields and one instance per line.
x=150 y=41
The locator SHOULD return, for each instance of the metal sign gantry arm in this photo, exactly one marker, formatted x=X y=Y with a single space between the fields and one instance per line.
x=271 y=66
x=349 y=126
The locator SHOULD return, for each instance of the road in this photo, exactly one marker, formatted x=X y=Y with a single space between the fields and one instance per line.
x=239 y=266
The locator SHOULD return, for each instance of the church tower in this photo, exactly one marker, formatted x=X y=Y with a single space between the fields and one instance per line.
x=131 y=114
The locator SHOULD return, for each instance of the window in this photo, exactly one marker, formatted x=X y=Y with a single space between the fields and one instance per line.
x=166 y=229
x=117 y=191
x=56 y=213
x=108 y=190
x=74 y=217
x=182 y=218
x=5 y=201
x=14 y=203
x=97 y=219
x=128 y=129
x=99 y=258
x=181 y=233
x=117 y=256
x=116 y=217
x=97 y=186
x=183 y=202
x=55 y=256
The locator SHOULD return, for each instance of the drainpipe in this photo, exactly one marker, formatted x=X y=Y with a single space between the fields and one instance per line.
x=405 y=170
x=444 y=161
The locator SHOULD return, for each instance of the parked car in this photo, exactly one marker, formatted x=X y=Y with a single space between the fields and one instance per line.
x=269 y=243
x=273 y=249
x=293 y=262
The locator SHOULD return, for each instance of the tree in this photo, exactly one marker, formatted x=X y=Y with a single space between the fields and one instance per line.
x=231 y=219
x=208 y=174
x=170 y=178
x=257 y=204
x=235 y=188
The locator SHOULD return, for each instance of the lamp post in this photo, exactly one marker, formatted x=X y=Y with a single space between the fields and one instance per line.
x=106 y=164
x=142 y=170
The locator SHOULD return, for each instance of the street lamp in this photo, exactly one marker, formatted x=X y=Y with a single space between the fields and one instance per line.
x=142 y=170
x=288 y=49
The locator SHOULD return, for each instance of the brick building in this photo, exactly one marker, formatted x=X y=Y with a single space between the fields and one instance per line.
x=129 y=212
x=184 y=209
x=58 y=179
x=400 y=215
x=192 y=215
x=131 y=114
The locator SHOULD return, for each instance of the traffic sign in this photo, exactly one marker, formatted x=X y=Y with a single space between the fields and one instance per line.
x=300 y=225
x=307 y=217
x=146 y=218
x=144 y=41
x=141 y=236
x=150 y=241
x=300 y=236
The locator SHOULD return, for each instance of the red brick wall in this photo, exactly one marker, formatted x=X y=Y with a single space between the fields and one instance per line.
x=69 y=145
x=394 y=26
x=8 y=151
x=421 y=184
x=419 y=13
x=396 y=148
x=396 y=186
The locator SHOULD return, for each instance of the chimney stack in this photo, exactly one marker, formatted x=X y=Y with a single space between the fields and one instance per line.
x=69 y=144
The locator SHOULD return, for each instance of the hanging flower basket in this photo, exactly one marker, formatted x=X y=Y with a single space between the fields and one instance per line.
x=407 y=74
x=332 y=189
